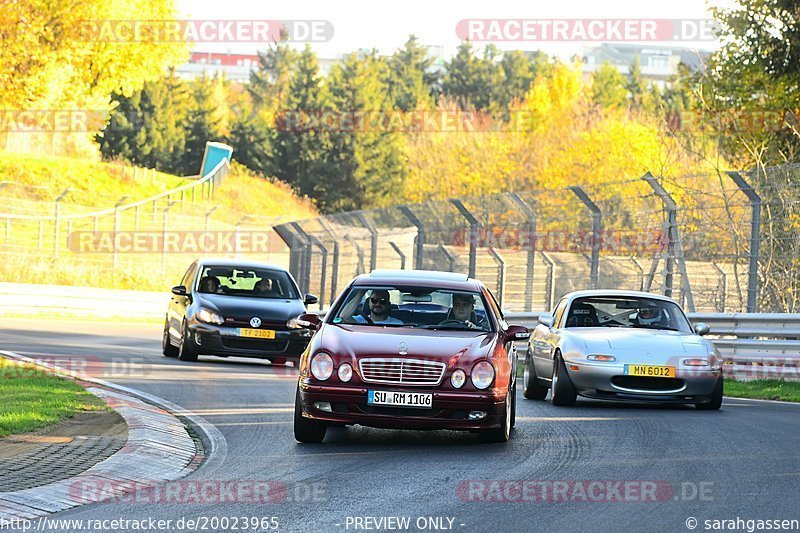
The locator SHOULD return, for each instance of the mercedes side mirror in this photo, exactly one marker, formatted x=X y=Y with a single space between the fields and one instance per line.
x=518 y=333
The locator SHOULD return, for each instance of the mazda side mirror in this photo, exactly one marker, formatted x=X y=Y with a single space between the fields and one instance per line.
x=546 y=319
x=702 y=329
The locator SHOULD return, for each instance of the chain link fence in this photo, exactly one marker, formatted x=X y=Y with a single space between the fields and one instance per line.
x=722 y=242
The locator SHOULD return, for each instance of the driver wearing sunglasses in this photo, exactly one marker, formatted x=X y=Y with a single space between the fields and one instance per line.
x=379 y=307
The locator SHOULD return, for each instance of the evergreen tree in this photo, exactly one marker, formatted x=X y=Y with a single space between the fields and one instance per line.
x=609 y=88
x=411 y=85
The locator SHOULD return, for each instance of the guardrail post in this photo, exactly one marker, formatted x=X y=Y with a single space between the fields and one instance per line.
x=501 y=275
x=400 y=253
x=373 y=246
x=530 y=216
x=550 y=291
x=755 y=240
x=674 y=248
x=419 y=241
x=473 y=235
x=597 y=227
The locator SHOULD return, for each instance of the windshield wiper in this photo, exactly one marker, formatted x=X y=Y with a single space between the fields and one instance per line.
x=449 y=328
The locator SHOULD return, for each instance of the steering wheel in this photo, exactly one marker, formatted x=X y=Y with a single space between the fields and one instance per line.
x=454 y=322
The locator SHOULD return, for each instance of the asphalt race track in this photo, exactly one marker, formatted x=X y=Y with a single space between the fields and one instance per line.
x=741 y=462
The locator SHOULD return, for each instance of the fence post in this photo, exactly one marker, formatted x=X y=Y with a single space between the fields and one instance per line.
x=473 y=234
x=57 y=220
x=313 y=241
x=116 y=229
x=723 y=287
x=530 y=216
x=597 y=227
x=550 y=292
x=640 y=268
x=296 y=246
x=208 y=215
x=755 y=240
x=164 y=229
x=450 y=258
x=323 y=221
x=400 y=253
x=674 y=248
x=501 y=274
x=373 y=232
x=419 y=241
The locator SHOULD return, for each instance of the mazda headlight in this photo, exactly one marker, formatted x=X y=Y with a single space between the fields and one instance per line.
x=482 y=375
x=209 y=317
x=322 y=366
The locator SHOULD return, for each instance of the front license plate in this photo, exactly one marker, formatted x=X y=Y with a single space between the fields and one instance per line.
x=650 y=371
x=401 y=399
x=257 y=333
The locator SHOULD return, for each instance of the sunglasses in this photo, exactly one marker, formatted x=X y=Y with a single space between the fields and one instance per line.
x=379 y=300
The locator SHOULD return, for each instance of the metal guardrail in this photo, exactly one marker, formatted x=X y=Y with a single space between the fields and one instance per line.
x=211 y=180
x=754 y=345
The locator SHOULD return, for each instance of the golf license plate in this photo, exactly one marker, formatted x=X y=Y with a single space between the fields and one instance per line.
x=400 y=399
x=650 y=371
x=257 y=333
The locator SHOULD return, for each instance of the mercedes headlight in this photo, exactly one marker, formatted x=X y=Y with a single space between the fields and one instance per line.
x=482 y=375
x=458 y=378
x=322 y=366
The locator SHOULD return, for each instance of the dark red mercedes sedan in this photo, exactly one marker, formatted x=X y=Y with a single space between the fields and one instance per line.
x=409 y=350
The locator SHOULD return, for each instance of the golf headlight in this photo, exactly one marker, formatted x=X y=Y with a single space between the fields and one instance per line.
x=345 y=372
x=482 y=375
x=458 y=378
x=322 y=366
x=209 y=317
